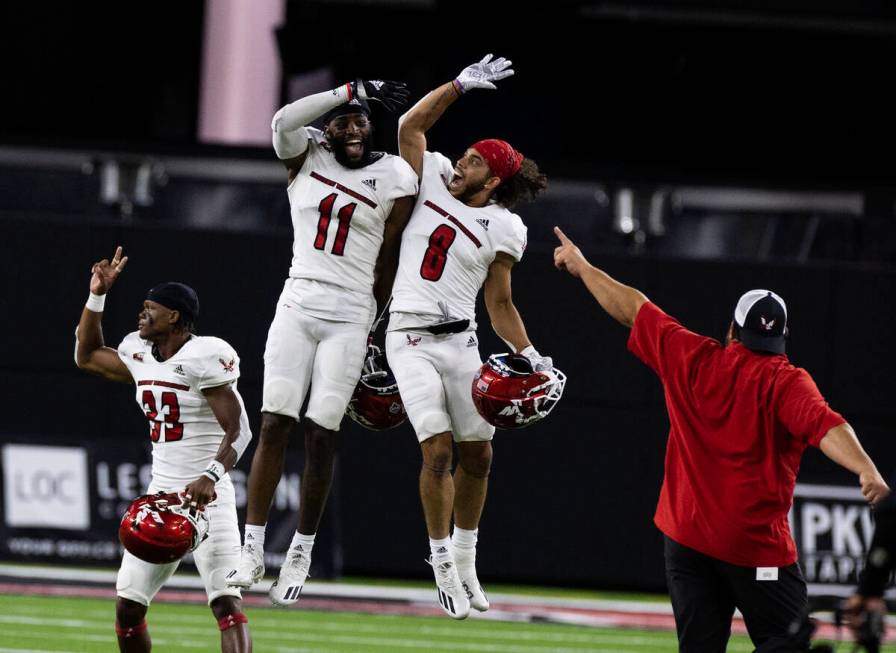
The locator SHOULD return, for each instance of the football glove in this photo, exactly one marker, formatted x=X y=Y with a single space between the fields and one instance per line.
x=484 y=73
x=539 y=363
x=392 y=95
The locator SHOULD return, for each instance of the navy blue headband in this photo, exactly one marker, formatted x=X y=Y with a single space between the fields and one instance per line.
x=177 y=297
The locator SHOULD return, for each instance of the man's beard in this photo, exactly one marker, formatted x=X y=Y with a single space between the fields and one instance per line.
x=471 y=190
x=342 y=157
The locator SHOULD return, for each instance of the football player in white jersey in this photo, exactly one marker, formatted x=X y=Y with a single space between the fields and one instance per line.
x=186 y=386
x=349 y=206
x=461 y=237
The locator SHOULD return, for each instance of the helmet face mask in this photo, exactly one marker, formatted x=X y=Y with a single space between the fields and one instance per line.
x=157 y=529
x=508 y=394
x=376 y=403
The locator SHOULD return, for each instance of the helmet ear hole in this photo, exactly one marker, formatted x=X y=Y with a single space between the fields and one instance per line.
x=520 y=364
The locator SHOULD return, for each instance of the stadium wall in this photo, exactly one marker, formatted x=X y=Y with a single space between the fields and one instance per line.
x=571 y=499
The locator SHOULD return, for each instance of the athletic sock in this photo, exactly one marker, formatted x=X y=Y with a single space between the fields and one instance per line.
x=307 y=541
x=440 y=549
x=464 y=539
x=255 y=535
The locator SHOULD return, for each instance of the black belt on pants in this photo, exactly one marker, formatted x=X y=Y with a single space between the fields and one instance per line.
x=454 y=326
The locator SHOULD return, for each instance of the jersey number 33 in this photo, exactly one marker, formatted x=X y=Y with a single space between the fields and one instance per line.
x=163 y=413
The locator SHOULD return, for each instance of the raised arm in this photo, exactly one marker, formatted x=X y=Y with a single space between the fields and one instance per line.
x=91 y=354
x=841 y=445
x=620 y=301
x=413 y=125
x=290 y=136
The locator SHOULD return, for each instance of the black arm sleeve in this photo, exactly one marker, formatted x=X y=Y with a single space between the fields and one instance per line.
x=882 y=552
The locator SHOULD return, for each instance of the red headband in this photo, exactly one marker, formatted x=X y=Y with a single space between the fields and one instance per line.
x=503 y=160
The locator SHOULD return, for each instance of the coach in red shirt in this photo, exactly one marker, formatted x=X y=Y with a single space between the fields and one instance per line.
x=741 y=416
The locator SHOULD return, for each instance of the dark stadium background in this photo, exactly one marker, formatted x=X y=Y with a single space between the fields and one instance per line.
x=797 y=98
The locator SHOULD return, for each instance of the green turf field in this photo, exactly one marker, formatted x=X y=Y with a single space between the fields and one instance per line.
x=63 y=624
x=37 y=624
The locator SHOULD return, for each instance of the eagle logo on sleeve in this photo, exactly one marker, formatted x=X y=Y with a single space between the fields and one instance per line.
x=228 y=367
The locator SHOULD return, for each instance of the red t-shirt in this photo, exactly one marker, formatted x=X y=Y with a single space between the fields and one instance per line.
x=740 y=422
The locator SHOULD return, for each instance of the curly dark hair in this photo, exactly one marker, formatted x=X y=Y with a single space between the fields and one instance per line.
x=525 y=185
x=184 y=325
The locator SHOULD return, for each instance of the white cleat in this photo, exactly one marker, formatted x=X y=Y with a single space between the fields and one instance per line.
x=287 y=589
x=251 y=567
x=452 y=595
x=466 y=569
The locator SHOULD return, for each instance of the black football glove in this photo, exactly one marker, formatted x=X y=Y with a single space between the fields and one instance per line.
x=392 y=95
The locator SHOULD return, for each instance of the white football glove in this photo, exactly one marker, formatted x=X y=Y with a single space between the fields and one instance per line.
x=482 y=74
x=539 y=363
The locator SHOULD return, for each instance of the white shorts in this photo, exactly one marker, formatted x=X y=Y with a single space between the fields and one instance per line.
x=435 y=378
x=216 y=557
x=302 y=350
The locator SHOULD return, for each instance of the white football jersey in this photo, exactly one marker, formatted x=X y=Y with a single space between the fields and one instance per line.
x=447 y=248
x=184 y=431
x=338 y=217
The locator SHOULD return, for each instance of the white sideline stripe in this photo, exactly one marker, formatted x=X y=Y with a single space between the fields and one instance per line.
x=810 y=491
x=110 y=639
x=615 y=638
x=476 y=627
x=339 y=590
x=70 y=636
x=165 y=641
x=483 y=631
x=65 y=623
x=201 y=627
x=594 y=639
x=635 y=641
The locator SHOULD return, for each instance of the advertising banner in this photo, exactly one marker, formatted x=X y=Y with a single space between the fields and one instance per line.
x=832 y=526
x=63 y=503
x=45 y=486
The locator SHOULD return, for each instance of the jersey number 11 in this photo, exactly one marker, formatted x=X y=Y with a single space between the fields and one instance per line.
x=323 y=224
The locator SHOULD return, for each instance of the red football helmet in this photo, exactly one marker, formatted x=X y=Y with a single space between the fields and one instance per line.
x=376 y=403
x=510 y=395
x=155 y=528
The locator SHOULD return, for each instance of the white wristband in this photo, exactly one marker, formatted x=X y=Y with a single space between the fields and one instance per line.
x=215 y=471
x=96 y=303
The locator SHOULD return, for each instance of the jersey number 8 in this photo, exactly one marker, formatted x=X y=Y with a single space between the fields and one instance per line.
x=436 y=255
